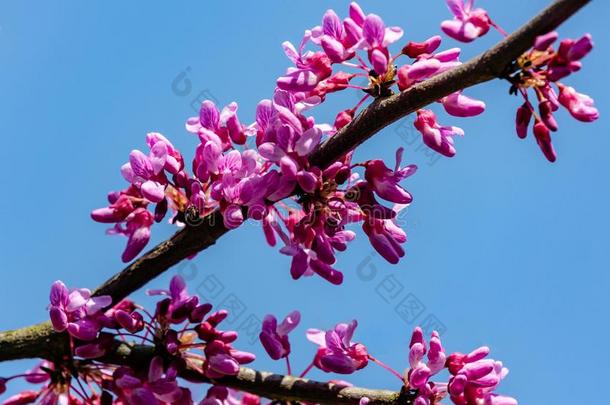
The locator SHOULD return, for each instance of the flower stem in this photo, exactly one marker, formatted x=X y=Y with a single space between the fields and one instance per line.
x=388 y=368
x=307 y=370
x=499 y=29
x=288 y=368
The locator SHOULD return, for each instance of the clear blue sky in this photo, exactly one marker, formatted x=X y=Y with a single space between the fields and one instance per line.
x=505 y=249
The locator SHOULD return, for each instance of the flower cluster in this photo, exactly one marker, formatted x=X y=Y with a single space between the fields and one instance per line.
x=262 y=171
x=76 y=311
x=473 y=378
x=541 y=70
x=183 y=332
x=340 y=42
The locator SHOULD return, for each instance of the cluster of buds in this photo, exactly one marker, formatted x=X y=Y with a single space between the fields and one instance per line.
x=183 y=332
x=541 y=68
x=473 y=379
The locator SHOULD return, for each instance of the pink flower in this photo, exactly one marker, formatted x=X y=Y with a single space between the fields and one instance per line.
x=376 y=40
x=332 y=38
x=95 y=348
x=159 y=386
x=579 y=105
x=474 y=378
x=305 y=261
x=222 y=359
x=427 y=65
x=436 y=137
x=219 y=395
x=416 y=49
x=38 y=374
x=385 y=181
x=146 y=172
x=179 y=306
x=522 y=120
x=386 y=238
x=274 y=337
x=310 y=67
x=421 y=371
x=22 y=398
x=137 y=230
x=224 y=127
x=459 y=105
x=542 y=67
x=336 y=352
x=468 y=23
x=543 y=138
x=76 y=310
x=165 y=152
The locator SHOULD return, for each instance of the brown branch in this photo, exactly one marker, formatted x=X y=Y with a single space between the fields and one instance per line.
x=41 y=341
x=269 y=385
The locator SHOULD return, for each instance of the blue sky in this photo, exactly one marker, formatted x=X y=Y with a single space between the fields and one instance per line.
x=504 y=248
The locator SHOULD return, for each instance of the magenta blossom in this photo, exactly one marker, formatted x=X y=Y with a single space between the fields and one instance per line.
x=376 y=39
x=468 y=24
x=385 y=181
x=274 y=337
x=579 y=105
x=336 y=351
x=540 y=69
x=179 y=306
x=420 y=371
x=427 y=65
x=386 y=236
x=459 y=105
x=137 y=230
x=219 y=395
x=474 y=378
x=159 y=387
x=76 y=311
x=434 y=135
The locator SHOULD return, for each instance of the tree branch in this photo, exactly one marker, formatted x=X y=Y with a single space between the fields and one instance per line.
x=39 y=341
x=491 y=64
x=269 y=385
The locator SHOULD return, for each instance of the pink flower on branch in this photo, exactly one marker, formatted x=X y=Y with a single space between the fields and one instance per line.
x=76 y=311
x=469 y=23
x=336 y=351
x=540 y=70
x=274 y=336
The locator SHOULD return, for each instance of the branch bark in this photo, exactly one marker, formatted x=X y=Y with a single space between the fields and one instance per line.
x=39 y=341
x=269 y=385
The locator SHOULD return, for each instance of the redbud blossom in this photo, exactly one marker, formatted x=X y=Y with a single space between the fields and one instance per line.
x=274 y=337
x=540 y=69
x=76 y=311
x=434 y=135
x=336 y=352
x=468 y=24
